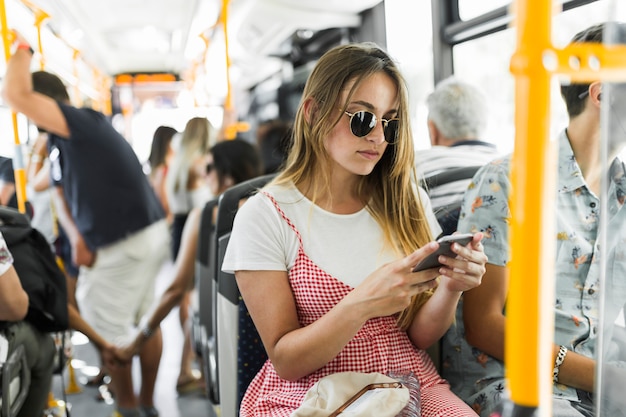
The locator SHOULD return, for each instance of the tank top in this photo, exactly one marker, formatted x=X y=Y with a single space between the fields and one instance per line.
x=379 y=346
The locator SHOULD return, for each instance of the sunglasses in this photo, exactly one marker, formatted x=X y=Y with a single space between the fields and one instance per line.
x=363 y=122
x=209 y=167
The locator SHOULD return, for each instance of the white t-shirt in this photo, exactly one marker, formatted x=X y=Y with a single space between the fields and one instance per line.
x=347 y=246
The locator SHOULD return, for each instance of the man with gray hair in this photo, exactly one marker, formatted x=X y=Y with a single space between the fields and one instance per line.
x=457 y=118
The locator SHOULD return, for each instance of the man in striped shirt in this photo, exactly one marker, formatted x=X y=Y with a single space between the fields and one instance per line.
x=457 y=118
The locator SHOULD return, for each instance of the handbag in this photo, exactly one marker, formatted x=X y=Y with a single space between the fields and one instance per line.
x=360 y=394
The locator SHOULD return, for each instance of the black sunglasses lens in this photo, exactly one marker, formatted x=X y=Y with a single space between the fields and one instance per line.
x=209 y=168
x=391 y=131
x=362 y=123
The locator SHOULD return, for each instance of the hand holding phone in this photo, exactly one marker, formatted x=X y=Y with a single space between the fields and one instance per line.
x=432 y=260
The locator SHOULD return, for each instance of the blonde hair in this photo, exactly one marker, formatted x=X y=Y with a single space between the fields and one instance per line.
x=389 y=191
x=197 y=138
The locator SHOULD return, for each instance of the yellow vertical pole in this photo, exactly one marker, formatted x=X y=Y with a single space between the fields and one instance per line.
x=530 y=321
x=18 y=160
x=230 y=131
x=228 y=104
x=78 y=100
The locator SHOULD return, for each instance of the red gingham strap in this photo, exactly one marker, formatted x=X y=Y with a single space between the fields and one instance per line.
x=284 y=216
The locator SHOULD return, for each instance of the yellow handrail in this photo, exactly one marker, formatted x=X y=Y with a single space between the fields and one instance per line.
x=228 y=103
x=40 y=17
x=18 y=160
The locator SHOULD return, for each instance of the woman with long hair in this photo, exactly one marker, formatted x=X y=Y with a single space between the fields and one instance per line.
x=161 y=154
x=334 y=239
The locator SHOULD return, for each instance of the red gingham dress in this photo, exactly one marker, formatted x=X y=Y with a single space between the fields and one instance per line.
x=379 y=346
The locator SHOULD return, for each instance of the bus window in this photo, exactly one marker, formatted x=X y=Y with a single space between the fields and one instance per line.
x=469 y=9
x=409 y=41
x=485 y=62
x=492 y=72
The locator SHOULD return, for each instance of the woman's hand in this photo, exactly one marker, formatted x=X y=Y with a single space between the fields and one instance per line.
x=466 y=270
x=390 y=288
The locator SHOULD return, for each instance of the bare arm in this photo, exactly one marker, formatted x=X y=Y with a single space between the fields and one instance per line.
x=41 y=180
x=158 y=183
x=484 y=321
x=461 y=274
x=13 y=298
x=18 y=93
x=106 y=349
x=297 y=351
x=37 y=170
x=483 y=312
x=81 y=254
x=78 y=323
x=577 y=371
x=7 y=189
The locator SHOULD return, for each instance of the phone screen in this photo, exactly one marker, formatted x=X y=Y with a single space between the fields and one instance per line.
x=432 y=260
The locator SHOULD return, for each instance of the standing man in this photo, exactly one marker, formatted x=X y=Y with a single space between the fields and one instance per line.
x=112 y=217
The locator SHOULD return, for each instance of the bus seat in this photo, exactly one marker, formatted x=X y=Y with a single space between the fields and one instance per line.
x=448 y=218
x=202 y=323
x=448 y=215
x=240 y=353
x=15 y=376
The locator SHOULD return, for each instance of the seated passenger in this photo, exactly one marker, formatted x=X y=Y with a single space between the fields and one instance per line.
x=227 y=163
x=184 y=186
x=273 y=139
x=473 y=348
x=457 y=119
x=323 y=255
x=39 y=347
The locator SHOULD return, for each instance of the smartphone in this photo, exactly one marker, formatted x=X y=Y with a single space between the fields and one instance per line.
x=432 y=260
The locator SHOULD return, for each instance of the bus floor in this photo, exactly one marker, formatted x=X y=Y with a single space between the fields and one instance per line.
x=85 y=363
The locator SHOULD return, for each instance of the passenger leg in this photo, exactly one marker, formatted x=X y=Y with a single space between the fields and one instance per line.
x=149 y=357
x=122 y=382
x=187 y=381
x=187 y=353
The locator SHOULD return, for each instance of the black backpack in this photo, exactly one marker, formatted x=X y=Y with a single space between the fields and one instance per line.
x=40 y=275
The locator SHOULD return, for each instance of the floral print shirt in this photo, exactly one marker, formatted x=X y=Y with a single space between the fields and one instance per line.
x=479 y=378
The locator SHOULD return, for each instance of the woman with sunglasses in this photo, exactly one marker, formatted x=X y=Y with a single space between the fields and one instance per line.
x=334 y=238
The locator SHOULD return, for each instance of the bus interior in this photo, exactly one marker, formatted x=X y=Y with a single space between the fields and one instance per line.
x=245 y=62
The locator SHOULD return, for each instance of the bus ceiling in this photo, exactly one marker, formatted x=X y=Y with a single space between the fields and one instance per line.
x=161 y=37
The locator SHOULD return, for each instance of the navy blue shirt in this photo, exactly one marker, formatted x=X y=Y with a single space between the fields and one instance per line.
x=108 y=195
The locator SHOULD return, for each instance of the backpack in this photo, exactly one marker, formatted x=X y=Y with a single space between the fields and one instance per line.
x=40 y=275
